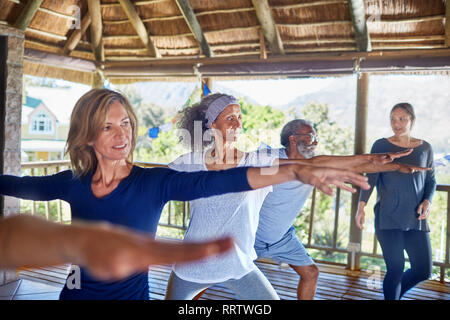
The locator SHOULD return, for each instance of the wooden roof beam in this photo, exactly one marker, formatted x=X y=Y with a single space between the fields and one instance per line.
x=447 y=23
x=264 y=14
x=193 y=24
x=58 y=61
x=358 y=14
x=96 y=30
x=27 y=14
x=232 y=67
x=76 y=35
x=139 y=26
x=262 y=45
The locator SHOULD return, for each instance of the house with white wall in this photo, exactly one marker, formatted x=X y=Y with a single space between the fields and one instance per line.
x=45 y=121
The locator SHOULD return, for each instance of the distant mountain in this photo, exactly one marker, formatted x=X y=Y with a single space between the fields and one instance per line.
x=429 y=95
x=340 y=96
x=175 y=94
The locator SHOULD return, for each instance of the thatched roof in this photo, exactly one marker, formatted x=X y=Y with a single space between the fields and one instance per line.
x=179 y=34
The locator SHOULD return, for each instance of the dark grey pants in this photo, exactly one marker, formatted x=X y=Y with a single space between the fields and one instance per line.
x=418 y=247
x=253 y=286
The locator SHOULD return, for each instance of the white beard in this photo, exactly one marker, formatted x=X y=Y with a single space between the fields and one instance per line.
x=306 y=151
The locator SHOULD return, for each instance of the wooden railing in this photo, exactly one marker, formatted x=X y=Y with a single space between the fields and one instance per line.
x=168 y=219
x=52 y=167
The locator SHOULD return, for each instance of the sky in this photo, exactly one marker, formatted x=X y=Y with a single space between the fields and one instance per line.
x=274 y=92
x=277 y=92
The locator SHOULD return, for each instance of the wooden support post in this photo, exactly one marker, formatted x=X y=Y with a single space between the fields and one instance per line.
x=3 y=75
x=447 y=241
x=27 y=14
x=362 y=101
x=336 y=217
x=311 y=216
x=11 y=90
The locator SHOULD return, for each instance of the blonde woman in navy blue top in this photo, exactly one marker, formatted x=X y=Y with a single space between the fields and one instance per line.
x=402 y=207
x=105 y=186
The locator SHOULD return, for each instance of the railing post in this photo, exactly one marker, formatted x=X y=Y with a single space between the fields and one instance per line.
x=447 y=240
x=46 y=203
x=311 y=216
x=336 y=217
x=33 y=203
x=362 y=101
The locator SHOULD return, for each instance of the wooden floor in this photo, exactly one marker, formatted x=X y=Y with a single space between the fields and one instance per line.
x=335 y=283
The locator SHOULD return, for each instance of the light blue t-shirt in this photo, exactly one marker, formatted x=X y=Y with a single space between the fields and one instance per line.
x=281 y=207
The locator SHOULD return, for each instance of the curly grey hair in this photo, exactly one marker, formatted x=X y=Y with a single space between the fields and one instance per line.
x=292 y=128
x=194 y=133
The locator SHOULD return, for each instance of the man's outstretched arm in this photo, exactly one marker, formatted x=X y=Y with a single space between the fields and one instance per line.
x=364 y=163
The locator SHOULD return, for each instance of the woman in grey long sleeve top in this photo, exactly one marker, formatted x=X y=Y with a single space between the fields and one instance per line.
x=402 y=207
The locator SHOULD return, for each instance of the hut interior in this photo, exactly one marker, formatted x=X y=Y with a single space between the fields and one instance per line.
x=125 y=41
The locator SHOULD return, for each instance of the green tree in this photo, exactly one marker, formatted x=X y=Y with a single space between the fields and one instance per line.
x=260 y=124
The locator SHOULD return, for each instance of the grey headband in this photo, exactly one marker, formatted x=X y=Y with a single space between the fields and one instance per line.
x=217 y=106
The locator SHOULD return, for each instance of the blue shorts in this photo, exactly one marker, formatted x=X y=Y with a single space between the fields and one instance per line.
x=288 y=250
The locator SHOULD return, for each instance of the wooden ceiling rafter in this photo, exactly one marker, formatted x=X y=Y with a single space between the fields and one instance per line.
x=136 y=3
x=358 y=14
x=447 y=23
x=308 y=4
x=268 y=26
x=96 y=30
x=76 y=35
x=27 y=14
x=233 y=30
x=313 y=24
x=139 y=27
x=194 y=26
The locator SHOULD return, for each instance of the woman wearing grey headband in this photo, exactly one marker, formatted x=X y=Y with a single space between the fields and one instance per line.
x=196 y=122
x=211 y=129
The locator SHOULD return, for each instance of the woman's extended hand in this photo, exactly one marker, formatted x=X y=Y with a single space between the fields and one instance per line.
x=108 y=251
x=424 y=210
x=323 y=178
x=406 y=168
x=360 y=217
x=111 y=252
x=384 y=158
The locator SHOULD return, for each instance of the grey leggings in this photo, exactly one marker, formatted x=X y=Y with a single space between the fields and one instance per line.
x=252 y=286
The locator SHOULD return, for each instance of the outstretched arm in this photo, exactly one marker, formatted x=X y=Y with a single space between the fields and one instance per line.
x=109 y=252
x=364 y=163
x=320 y=177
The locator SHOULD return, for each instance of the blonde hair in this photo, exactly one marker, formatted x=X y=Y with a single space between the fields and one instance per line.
x=87 y=119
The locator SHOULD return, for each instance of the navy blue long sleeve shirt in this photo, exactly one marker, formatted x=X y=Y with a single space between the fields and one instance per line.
x=135 y=203
x=400 y=194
